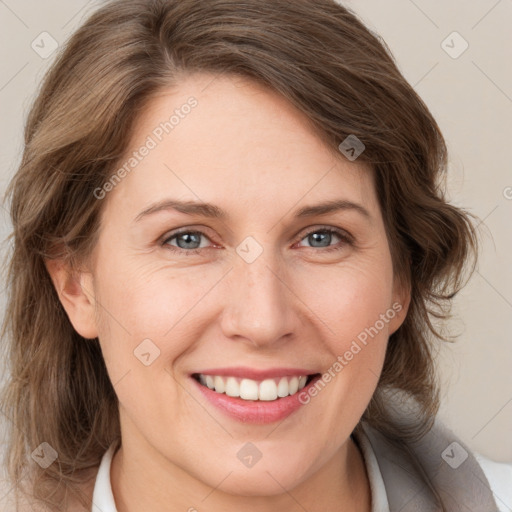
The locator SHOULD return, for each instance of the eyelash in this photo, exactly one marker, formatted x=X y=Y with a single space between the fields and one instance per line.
x=343 y=235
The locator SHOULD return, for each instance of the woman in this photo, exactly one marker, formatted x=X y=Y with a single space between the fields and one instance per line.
x=188 y=346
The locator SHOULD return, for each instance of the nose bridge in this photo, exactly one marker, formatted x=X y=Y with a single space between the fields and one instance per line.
x=259 y=305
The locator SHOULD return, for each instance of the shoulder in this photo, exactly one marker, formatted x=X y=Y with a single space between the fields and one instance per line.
x=429 y=463
x=499 y=475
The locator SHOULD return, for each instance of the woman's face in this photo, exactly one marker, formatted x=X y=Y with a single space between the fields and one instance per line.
x=266 y=283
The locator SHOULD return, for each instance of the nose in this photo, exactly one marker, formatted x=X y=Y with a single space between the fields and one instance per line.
x=260 y=307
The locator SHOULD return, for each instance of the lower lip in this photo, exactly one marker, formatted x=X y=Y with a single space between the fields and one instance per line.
x=255 y=411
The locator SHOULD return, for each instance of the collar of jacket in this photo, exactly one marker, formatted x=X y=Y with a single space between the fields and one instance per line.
x=435 y=473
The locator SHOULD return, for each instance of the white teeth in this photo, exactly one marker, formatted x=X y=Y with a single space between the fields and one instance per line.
x=268 y=390
x=248 y=389
x=293 y=386
x=219 y=384
x=209 y=381
x=283 y=388
x=232 y=387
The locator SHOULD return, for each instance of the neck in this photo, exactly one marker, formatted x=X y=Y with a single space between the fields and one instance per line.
x=142 y=479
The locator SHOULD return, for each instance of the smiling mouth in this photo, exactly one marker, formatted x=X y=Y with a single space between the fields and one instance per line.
x=248 y=389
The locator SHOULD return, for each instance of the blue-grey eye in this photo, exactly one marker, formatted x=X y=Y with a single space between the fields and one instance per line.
x=323 y=238
x=186 y=240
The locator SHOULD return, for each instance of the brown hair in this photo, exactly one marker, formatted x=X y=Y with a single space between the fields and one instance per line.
x=320 y=57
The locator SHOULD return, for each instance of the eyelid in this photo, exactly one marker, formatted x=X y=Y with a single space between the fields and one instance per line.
x=342 y=233
x=165 y=242
x=346 y=238
x=188 y=229
x=300 y=236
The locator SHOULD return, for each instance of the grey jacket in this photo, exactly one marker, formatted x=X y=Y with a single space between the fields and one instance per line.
x=437 y=473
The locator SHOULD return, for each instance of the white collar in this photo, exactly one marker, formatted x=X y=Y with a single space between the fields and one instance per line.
x=498 y=474
x=103 y=499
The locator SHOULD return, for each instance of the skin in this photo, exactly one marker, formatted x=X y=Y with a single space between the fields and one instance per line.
x=247 y=150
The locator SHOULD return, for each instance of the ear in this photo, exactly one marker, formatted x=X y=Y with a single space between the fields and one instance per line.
x=76 y=294
x=401 y=298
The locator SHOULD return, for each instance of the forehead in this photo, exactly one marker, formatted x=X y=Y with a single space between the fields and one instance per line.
x=225 y=137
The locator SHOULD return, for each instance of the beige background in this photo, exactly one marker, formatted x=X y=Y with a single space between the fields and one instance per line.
x=471 y=97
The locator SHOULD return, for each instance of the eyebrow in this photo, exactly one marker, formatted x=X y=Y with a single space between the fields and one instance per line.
x=211 y=211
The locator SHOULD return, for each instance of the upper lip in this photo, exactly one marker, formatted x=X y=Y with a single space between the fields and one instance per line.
x=255 y=374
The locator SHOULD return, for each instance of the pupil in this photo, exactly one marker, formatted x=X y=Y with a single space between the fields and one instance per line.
x=318 y=237
x=186 y=237
x=322 y=238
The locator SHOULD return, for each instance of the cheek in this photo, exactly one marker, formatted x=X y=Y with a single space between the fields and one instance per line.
x=167 y=303
x=144 y=331
x=354 y=307
x=174 y=305
x=151 y=299
x=149 y=309
x=350 y=298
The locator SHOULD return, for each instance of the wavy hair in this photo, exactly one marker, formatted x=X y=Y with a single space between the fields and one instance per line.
x=323 y=60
